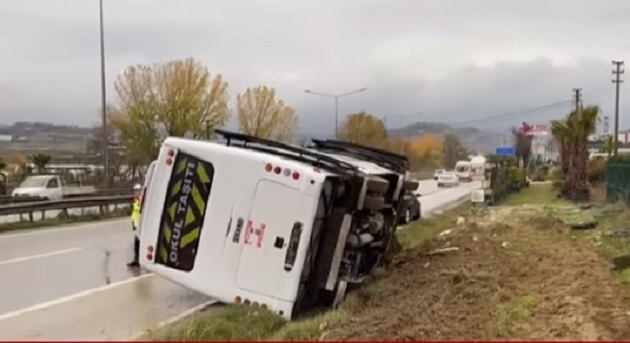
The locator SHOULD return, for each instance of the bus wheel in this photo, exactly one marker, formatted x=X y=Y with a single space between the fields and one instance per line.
x=340 y=293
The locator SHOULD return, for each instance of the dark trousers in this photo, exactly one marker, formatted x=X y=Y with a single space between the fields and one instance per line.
x=136 y=249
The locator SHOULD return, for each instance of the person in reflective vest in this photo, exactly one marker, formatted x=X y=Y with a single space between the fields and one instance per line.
x=135 y=220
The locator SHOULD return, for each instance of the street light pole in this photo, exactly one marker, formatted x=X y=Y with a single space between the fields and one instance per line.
x=336 y=98
x=105 y=142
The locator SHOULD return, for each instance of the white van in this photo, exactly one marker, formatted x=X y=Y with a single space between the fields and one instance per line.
x=478 y=167
x=463 y=172
x=267 y=224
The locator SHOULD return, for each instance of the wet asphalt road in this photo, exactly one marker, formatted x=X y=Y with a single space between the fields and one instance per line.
x=72 y=282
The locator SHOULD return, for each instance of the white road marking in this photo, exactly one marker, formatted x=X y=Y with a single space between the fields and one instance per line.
x=45 y=305
x=33 y=257
x=41 y=231
x=174 y=319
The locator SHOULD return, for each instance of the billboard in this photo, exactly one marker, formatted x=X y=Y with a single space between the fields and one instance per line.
x=534 y=130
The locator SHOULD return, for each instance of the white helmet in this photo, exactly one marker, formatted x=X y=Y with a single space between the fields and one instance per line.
x=137 y=187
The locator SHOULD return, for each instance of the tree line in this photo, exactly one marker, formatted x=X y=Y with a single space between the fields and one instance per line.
x=182 y=98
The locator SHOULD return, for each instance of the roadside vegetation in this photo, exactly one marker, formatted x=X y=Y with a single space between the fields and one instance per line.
x=512 y=271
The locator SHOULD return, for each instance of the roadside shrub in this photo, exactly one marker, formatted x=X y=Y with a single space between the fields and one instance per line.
x=541 y=173
x=597 y=171
x=555 y=174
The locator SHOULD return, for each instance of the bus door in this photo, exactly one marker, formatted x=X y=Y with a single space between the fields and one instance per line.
x=266 y=236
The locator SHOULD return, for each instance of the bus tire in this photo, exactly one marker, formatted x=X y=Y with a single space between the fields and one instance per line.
x=411 y=185
x=377 y=185
x=373 y=202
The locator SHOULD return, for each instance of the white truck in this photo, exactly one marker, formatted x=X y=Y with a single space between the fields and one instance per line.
x=261 y=223
x=463 y=171
x=50 y=187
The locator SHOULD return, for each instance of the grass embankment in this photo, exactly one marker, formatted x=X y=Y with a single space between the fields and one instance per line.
x=61 y=220
x=519 y=272
x=541 y=193
x=232 y=322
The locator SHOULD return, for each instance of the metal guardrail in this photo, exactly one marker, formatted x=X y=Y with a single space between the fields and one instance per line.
x=65 y=204
x=7 y=199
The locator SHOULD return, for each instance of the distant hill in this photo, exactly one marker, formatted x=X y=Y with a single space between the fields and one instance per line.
x=39 y=131
x=471 y=137
x=37 y=137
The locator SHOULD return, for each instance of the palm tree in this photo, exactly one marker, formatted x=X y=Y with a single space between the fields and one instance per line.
x=581 y=125
x=522 y=145
x=561 y=134
x=40 y=161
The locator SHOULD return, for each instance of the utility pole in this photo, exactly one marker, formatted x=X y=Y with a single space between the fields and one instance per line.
x=578 y=98
x=105 y=142
x=617 y=81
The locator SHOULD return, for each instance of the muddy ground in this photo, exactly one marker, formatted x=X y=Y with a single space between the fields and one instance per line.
x=512 y=278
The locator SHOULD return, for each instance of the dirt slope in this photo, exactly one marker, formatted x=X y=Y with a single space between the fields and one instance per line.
x=510 y=279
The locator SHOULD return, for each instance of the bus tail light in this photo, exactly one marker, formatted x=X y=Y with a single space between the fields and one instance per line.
x=150 y=250
x=279 y=170
x=169 y=159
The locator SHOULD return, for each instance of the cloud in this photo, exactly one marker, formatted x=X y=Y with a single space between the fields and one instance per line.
x=454 y=60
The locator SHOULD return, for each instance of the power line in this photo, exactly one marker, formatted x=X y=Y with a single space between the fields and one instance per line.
x=517 y=114
x=617 y=81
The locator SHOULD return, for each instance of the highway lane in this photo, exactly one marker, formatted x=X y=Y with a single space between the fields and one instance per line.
x=72 y=283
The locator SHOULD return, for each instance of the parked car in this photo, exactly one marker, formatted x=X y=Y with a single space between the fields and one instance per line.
x=437 y=173
x=412 y=209
x=448 y=180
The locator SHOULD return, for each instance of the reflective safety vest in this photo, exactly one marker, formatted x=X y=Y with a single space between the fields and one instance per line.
x=135 y=213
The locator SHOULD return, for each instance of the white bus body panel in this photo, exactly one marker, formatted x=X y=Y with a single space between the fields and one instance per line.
x=241 y=188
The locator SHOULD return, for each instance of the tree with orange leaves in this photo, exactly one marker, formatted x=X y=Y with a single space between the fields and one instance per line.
x=427 y=147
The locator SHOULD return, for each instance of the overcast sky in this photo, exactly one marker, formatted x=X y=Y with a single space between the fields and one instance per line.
x=454 y=60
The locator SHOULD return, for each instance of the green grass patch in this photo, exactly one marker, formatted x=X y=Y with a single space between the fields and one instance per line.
x=225 y=323
x=423 y=230
x=53 y=222
x=514 y=315
x=542 y=194
x=610 y=218
x=233 y=322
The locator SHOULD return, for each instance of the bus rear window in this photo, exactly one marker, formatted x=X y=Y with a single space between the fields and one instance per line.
x=184 y=211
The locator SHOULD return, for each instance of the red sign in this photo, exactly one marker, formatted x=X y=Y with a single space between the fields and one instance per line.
x=534 y=130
